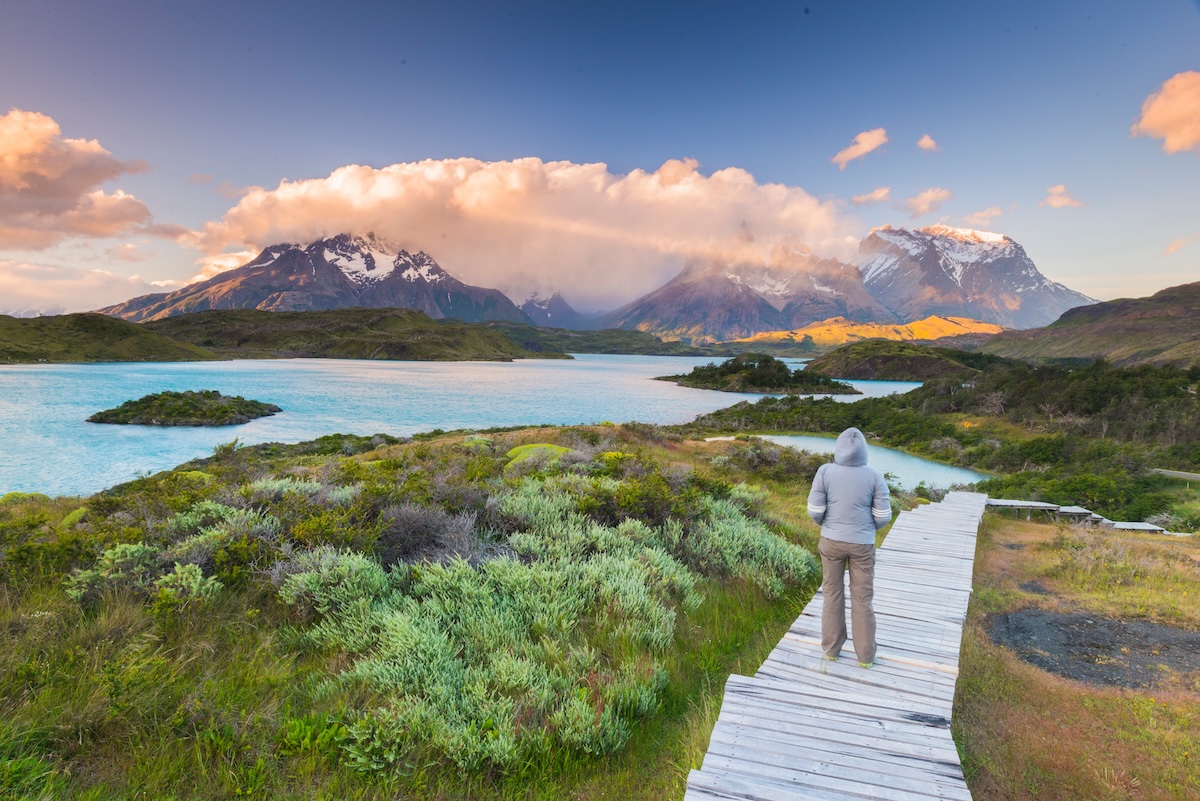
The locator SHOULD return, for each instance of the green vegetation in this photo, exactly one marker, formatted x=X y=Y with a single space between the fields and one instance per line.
x=89 y=338
x=342 y=334
x=1025 y=734
x=887 y=360
x=402 y=334
x=757 y=372
x=1086 y=436
x=608 y=340
x=536 y=614
x=204 y=408
x=1163 y=329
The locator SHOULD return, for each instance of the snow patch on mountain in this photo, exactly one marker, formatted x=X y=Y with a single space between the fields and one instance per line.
x=419 y=267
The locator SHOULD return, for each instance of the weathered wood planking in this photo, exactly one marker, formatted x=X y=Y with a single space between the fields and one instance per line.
x=805 y=728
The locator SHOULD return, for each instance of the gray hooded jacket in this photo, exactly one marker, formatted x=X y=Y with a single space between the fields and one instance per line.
x=850 y=500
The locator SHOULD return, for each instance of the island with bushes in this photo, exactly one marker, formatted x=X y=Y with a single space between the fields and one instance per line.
x=758 y=372
x=203 y=408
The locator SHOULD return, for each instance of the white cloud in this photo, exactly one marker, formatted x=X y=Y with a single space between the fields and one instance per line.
x=1057 y=197
x=878 y=195
x=984 y=218
x=49 y=187
x=1173 y=114
x=48 y=287
x=529 y=224
x=927 y=201
x=863 y=144
x=926 y=143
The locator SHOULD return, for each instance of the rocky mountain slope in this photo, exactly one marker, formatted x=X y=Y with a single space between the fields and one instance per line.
x=716 y=300
x=963 y=273
x=340 y=272
x=1161 y=329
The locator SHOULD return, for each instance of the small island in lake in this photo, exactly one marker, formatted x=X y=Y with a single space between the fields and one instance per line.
x=203 y=408
x=758 y=372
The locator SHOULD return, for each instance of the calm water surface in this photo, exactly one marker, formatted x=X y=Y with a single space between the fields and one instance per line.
x=45 y=445
x=908 y=470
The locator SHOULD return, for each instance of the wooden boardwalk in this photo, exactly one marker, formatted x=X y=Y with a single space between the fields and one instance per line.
x=808 y=729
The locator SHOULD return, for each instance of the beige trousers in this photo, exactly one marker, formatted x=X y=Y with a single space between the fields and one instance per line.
x=835 y=556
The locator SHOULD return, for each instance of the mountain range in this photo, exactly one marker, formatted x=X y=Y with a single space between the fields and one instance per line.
x=340 y=272
x=900 y=276
x=714 y=301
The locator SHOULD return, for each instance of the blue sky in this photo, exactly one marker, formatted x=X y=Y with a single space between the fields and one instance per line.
x=211 y=99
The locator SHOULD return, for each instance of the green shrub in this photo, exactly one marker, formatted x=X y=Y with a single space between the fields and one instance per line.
x=125 y=566
x=186 y=582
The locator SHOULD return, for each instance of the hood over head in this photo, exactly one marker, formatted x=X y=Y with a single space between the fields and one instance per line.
x=851 y=448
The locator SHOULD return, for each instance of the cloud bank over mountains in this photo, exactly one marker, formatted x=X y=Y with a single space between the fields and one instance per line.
x=529 y=224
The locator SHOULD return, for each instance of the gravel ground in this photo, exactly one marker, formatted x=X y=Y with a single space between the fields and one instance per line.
x=1097 y=650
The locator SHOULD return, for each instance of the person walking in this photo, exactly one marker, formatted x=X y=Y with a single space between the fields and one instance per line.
x=850 y=502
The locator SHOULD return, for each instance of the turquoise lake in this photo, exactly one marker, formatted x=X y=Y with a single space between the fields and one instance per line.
x=46 y=445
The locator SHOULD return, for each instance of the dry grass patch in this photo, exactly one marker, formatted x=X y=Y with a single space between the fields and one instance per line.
x=1027 y=734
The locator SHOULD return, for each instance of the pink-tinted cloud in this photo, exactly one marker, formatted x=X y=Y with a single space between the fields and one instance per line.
x=1172 y=114
x=528 y=224
x=1181 y=243
x=878 y=195
x=53 y=289
x=49 y=186
x=128 y=251
x=982 y=219
x=926 y=143
x=863 y=144
x=927 y=201
x=1057 y=197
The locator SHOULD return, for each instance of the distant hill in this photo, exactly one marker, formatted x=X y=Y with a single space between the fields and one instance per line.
x=840 y=331
x=608 y=340
x=555 y=312
x=885 y=360
x=89 y=338
x=1163 y=329
x=342 y=334
x=340 y=272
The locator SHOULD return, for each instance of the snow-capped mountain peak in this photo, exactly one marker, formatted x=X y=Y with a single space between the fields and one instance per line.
x=960 y=271
x=965 y=234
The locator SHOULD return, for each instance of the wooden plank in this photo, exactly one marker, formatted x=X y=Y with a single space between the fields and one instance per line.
x=767 y=779
x=857 y=733
x=743 y=788
x=812 y=769
x=816 y=732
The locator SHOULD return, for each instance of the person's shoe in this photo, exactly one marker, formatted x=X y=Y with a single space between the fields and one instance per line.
x=866 y=664
x=833 y=658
